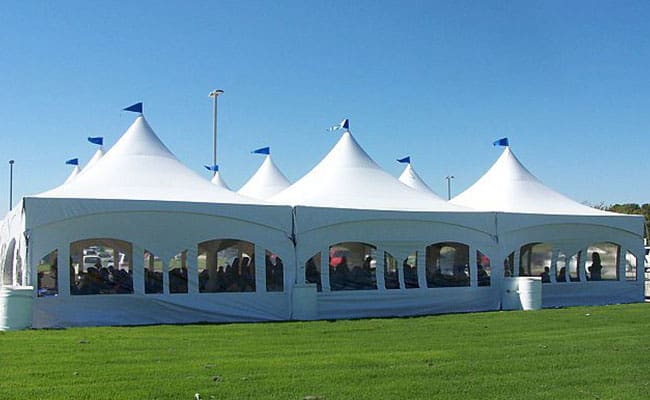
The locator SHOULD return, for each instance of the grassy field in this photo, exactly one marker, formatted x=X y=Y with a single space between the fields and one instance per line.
x=573 y=353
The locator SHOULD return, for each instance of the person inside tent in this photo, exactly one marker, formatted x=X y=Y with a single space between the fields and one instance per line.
x=546 y=276
x=596 y=267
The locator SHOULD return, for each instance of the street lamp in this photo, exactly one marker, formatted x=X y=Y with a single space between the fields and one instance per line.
x=214 y=94
x=449 y=178
x=11 y=182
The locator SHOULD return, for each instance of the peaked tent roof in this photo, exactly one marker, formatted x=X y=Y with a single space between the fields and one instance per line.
x=266 y=182
x=411 y=178
x=218 y=181
x=509 y=187
x=140 y=167
x=75 y=171
x=93 y=160
x=348 y=178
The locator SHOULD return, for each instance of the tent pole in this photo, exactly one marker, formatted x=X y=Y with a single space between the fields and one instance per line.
x=214 y=94
x=11 y=182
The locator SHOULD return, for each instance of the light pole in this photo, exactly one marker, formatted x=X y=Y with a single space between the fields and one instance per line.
x=449 y=178
x=11 y=182
x=214 y=94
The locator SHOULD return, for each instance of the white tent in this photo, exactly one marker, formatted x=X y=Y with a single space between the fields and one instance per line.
x=530 y=215
x=267 y=181
x=149 y=235
x=411 y=178
x=348 y=203
x=141 y=207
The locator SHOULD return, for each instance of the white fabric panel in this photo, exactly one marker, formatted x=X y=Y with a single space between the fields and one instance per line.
x=267 y=181
x=509 y=187
x=397 y=303
x=348 y=178
x=97 y=310
x=592 y=293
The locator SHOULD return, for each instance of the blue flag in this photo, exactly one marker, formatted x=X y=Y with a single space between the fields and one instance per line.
x=73 y=161
x=137 y=107
x=345 y=124
x=96 y=140
x=213 y=168
x=262 y=150
x=405 y=160
x=501 y=142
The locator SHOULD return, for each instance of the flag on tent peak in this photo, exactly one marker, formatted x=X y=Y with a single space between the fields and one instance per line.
x=501 y=142
x=345 y=124
x=72 y=161
x=137 y=107
x=213 y=168
x=262 y=150
x=405 y=160
x=99 y=140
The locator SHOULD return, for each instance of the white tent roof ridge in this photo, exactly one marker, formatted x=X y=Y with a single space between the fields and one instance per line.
x=508 y=186
x=266 y=182
x=140 y=167
x=411 y=178
x=347 y=177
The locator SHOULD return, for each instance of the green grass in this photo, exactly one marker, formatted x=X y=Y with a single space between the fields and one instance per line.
x=573 y=353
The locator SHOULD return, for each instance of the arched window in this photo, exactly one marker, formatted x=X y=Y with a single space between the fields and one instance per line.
x=153 y=273
x=410 y=270
x=47 y=275
x=177 y=271
x=274 y=272
x=312 y=271
x=447 y=264
x=226 y=265
x=352 y=266
x=602 y=263
x=483 y=269
x=8 y=264
x=535 y=260
x=101 y=266
x=630 y=266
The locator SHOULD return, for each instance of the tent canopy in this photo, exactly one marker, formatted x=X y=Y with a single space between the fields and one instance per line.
x=266 y=182
x=140 y=167
x=411 y=178
x=509 y=187
x=348 y=178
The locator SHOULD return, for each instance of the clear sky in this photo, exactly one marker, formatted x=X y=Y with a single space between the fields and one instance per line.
x=568 y=82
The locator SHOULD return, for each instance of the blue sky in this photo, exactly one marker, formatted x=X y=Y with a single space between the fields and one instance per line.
x=567 y=82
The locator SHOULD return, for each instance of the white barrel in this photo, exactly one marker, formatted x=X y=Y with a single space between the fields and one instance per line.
x=16 y=307
x=510 y=296
x=530 y=293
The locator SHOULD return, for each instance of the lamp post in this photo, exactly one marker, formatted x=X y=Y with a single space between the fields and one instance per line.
x=449 y=178
x=214 y=94
x=11 y=182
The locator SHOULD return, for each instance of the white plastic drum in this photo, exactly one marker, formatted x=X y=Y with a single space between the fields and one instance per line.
x=530 y=293
x=16 y=307
x=522 y=293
